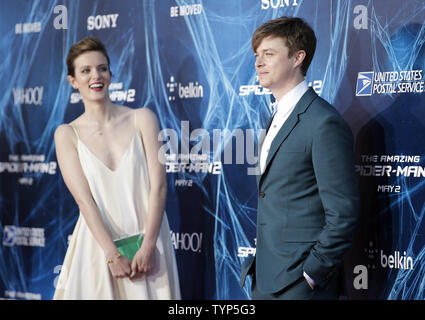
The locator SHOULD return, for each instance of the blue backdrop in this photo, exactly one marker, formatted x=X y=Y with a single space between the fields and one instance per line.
x=191 y=63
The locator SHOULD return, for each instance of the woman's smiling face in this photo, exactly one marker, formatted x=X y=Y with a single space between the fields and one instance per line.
x=92 y=75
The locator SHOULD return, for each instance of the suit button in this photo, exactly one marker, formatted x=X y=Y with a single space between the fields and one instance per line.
x=262 y=194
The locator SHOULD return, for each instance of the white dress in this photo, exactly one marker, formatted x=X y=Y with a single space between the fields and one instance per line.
x=122 y=198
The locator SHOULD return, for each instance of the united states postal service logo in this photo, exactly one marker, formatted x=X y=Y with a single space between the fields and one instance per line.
x=9 y=235
x=364 y=83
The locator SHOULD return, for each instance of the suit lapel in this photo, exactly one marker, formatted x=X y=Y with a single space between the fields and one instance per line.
x=290 y=124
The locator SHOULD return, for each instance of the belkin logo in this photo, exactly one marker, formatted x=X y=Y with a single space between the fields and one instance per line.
x=396 y=261
x=364 y=84
x=191 y=90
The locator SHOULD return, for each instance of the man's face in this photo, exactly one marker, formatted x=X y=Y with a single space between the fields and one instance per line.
x=276 y=71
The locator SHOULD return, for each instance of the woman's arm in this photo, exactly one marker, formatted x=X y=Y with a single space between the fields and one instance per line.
x=75 y=180
x=147 y=124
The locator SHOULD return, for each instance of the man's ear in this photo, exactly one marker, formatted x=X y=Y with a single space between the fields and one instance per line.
x=72 y=82
x=299 y=57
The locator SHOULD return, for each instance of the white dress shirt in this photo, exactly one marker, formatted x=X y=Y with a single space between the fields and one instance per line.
x=284 y=108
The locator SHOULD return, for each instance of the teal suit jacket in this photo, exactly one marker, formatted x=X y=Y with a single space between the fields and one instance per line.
x=308 y=203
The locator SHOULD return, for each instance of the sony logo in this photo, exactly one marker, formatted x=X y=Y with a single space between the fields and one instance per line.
x=102 y=21
x=267 y=4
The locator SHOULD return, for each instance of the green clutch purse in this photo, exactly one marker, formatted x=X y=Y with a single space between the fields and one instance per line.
x=128 y=246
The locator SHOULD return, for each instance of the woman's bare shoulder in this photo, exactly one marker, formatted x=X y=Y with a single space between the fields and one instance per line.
x=64 y=133
x=146 y=122
x=145 y=116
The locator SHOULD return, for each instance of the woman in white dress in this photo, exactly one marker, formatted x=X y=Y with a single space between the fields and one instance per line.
x=108 y=158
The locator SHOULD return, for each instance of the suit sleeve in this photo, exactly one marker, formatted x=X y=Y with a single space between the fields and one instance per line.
x=333 y=164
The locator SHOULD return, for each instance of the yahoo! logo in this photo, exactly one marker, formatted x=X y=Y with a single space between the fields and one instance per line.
x=28 y=96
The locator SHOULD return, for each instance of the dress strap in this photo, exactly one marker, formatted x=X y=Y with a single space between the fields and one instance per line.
x=75 y=130
x=135 y=125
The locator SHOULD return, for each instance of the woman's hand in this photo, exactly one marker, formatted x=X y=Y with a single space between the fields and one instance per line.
x=120 y=267
x=144 y=259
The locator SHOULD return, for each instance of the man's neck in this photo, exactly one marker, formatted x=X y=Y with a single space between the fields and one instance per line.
x=280 y=93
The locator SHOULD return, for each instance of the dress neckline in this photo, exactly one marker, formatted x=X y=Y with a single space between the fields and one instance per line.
x=121 y=158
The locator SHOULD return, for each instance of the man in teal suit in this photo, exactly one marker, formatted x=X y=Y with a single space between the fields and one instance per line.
x=308 y=201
